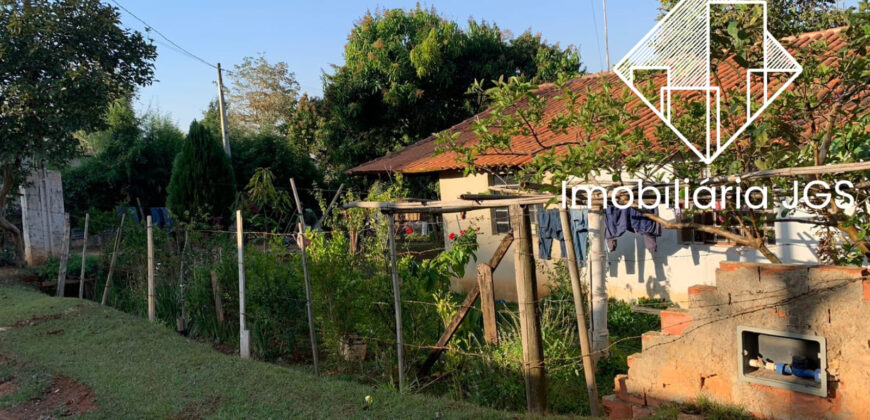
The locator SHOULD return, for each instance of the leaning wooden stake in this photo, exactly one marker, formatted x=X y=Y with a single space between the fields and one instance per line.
x=464 y=308
x=64 y=257
x=397 y=300
x=311 y=333
x=585 y=347
x=84 y=258
x=152 y=312
x=244 y=334
x=534 y=370
x=118 y=237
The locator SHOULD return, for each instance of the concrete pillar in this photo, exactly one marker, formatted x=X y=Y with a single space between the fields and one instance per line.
x=598 y=281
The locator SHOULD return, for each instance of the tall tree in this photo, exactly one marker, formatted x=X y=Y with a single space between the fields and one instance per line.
x=262 y=96
x=202 y=187
x=62 y=63
x=406 y=74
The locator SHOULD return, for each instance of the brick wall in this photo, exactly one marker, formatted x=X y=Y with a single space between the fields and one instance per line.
x=695 y=354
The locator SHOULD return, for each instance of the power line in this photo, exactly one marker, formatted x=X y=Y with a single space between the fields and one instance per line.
x=151 y=28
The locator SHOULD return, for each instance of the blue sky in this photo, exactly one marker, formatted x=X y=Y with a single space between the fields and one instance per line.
x=310 y=36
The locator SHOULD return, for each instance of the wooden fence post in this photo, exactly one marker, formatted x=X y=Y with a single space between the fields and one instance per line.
x=217 y=294
x=118 y=237
x=308 y=304
x=487 y=303
x=534 y=369
x=397 y=298
x=152 y=312
x=84 y=258
x=64 y=257
x=244 y=334
x=585 y=347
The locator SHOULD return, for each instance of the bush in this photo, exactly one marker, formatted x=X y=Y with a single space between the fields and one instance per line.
x=49 y=270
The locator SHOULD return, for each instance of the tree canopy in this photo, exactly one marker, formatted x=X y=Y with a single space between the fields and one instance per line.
x=62 y=63
x=406 y=74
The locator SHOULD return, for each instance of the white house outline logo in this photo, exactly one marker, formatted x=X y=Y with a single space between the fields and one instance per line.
x=680 y=45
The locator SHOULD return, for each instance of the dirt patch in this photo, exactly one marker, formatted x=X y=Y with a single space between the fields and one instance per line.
x=64 y=397
x=201 y=409
x=8 y=387
x=44 y=318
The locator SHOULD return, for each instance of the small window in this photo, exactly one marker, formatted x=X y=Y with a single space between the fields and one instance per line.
x=501 y=218
x=725 y=221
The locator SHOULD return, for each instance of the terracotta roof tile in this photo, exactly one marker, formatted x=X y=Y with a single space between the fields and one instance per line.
x=421 y=157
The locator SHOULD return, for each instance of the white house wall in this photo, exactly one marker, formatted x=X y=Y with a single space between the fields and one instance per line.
x=632 y=271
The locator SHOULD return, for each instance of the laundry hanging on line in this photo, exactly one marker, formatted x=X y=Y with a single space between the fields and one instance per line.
x=618 y=221
x=550 y=229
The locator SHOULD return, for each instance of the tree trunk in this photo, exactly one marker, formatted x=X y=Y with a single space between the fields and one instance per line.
x=17 y=240
x=5 y=190
x=754 y=243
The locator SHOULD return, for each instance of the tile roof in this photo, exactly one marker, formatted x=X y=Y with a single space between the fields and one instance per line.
x=421 y=157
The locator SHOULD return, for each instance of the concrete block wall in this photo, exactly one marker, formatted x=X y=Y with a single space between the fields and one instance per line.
x=695 y=354
x=42 y=217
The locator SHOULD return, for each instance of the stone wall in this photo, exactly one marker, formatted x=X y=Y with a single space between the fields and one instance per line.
x=696 y=352
x=42 y=215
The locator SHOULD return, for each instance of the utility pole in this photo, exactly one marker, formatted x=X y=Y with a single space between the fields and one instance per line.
x=606 y=41
x=225 y=136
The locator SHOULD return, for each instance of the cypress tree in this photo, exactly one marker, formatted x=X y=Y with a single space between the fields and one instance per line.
x=202 y=186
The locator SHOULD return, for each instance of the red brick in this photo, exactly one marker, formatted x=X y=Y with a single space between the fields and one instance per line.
x=674 y=322
x=867 y=290
x=701 y=288
x=615 y=408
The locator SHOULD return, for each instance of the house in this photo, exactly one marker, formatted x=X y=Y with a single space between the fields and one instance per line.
x=682 y=259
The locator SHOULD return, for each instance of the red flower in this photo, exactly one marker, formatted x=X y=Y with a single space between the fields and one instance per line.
x=452 y=236
x=478 y=229
x=409 y=231
x=462 y=232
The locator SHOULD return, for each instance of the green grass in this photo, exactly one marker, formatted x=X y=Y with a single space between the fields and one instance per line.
x=142 y=370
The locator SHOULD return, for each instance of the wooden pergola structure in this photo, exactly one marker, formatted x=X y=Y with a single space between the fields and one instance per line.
x=534 y=368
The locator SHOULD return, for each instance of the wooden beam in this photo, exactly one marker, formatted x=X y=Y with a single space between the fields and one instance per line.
x=115 y=249
x=487 y=303
x=469 y=301
x=534 y=370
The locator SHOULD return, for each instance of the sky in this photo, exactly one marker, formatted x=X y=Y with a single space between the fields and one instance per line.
x=310 y=36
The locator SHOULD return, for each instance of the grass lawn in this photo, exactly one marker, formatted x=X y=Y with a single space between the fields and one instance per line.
x=131 y=369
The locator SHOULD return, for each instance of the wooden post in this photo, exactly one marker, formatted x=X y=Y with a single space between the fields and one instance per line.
x=244 y=334
x=84 y=258
x=225 y=137
x=585 y=347
x=149 y=235
x=534 y=370
x=181 y=322
x=64 y=257
x=487 y=303
x=397 y=298
x=118 y=237
x=217 y=294
x=311 y=333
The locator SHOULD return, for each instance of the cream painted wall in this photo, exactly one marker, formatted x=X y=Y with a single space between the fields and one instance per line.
x=632 y=271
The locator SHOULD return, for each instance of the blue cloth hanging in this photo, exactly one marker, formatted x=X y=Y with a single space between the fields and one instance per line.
x=549 y=228
x=618 y=221
x=579 y=231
